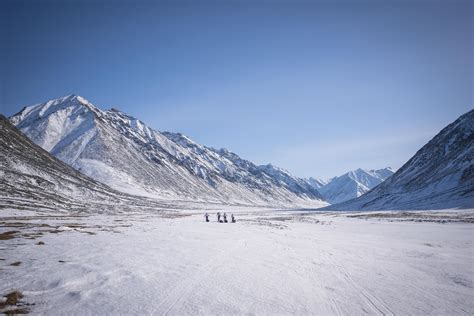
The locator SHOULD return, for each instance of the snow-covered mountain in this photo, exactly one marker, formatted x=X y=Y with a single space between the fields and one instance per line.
x=122 y=152
x=439 y=176
x=317 y=183
x=31 y=178
x=351 y=184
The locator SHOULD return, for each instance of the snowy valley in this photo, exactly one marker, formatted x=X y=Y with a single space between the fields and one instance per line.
x=227 y=158
x=100 y=214
x=269 y=262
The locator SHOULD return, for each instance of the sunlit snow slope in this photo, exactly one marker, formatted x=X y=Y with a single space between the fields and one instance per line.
x=123 y=152
x=353 y=184
x=31 y=178
x=440 y=175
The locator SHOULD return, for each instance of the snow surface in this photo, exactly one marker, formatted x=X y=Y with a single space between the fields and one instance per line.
x=269 y=262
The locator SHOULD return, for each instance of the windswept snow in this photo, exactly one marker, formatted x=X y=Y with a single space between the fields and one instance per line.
x=269 y=262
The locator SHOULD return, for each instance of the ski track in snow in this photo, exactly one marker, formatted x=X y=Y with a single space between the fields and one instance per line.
x=185 y=287
x=269 y=262
x=374 y=303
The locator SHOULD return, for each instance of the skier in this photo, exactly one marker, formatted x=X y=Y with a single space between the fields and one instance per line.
x=225 y=218
x=219 y=217
x=207 y=217
x=232 y=218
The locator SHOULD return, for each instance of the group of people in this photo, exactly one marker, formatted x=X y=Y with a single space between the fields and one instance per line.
x=223 y=216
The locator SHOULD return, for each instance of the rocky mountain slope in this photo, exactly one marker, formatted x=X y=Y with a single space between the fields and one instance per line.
x=124 y=153
x=352 y=184
x=31 y=178
x=439 y=176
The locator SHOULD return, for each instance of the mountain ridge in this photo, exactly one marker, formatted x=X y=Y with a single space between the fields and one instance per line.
x=352 y=184
x=33 y=179
x=151 y=163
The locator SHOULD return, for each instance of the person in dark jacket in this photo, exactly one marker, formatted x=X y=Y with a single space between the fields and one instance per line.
x=207 y=217
x=219 y=217
x=232 y=218
x=225 y=218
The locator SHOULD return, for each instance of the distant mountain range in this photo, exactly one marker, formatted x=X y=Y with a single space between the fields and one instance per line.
x=127 y=155
x=109 y=158
x=351 y=184
x=439 y=176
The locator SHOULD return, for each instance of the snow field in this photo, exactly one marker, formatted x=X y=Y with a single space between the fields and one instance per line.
x=269 y=262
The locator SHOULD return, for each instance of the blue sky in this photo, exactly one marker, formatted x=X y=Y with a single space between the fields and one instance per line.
x=315 y=87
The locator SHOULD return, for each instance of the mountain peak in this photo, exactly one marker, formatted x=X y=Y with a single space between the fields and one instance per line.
x=317 y=183
x=71 y=98
x=352 y=184
x=383 y=169
x=59 y=117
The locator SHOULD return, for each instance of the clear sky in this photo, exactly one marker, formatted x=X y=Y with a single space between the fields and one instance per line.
x=315 y=87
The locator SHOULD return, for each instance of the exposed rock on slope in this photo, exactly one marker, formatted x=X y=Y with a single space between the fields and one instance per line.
x=31 y=178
